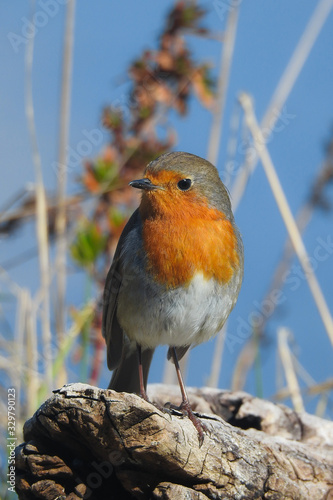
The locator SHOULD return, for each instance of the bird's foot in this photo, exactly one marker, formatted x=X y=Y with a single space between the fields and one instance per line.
x=185 y=409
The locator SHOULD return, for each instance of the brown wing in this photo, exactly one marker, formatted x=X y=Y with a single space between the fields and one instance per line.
x=111 y=329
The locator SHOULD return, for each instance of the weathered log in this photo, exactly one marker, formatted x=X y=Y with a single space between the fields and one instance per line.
x=86 y=442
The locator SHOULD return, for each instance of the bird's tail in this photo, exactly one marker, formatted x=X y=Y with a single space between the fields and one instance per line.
x=125 y=378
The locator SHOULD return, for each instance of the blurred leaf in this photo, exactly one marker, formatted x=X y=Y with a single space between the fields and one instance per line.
x=117 y=218
x=185 y=15
x=203 y=86
x=183 y=65
x=100 y=175
x=190 y=15
x=105 y=172
x=89 y=244
x=145 y=112
x=113 y=119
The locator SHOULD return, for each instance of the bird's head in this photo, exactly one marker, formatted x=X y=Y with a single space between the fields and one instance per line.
x=181 y=182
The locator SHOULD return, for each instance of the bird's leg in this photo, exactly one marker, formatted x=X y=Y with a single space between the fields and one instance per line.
x=143 y=393
x=185 y=405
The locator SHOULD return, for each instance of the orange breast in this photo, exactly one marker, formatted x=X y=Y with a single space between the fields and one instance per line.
x=181 y=239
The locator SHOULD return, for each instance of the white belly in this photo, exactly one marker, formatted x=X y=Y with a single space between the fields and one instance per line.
x=152 y=316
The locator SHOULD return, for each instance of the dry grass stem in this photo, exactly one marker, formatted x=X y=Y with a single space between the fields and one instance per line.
x=41 y=214
x=289 y=370
x=214 y=376
x=214 y=146
x=222 y=86
x=283 y=89
x=31 y=349
x=18 y=358
x=286 y=214
x=61 y=243
x=244 y=362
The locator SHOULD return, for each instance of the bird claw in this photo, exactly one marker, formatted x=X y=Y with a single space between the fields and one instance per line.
x=185 y=409
x=173 y=409
x=200 y=426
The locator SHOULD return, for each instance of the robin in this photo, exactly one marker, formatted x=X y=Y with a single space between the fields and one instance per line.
x=176 y=273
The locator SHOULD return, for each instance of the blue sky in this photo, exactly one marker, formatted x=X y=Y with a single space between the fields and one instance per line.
x=108 y=36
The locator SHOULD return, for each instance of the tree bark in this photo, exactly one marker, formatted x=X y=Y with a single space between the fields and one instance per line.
x=86 y=442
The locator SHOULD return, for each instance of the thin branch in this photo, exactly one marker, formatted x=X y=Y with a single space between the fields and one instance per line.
x=41 y=213
x=18 y=358
x=322 y=405
x=289 y=221
x=285 y=355
x=169 y=374
x=14 y=199
x=213 y=152
x=30 y=211
x=278 y=99
x=13 y=287
x=283 y=89
x=61 y=247
x=312 y=387
x=325 y=386
x=225 y=65
x=244 y=362
x=213 y=379
x=31 y=345
x=303 y=218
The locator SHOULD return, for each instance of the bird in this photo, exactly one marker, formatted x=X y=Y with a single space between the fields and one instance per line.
x=176 y=272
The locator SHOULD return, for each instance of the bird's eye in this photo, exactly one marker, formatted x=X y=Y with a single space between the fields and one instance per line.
x=184 y=184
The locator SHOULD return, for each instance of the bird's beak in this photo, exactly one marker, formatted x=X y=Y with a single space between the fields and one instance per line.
x=145 y=184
